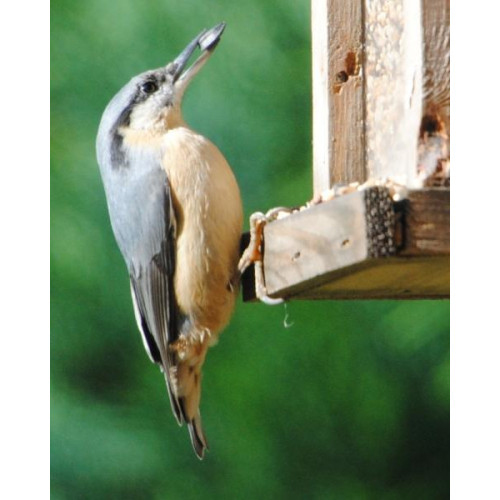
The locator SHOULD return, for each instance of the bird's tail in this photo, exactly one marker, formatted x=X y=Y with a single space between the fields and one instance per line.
x=189 y=402
x=187 y=391
x=198 y=439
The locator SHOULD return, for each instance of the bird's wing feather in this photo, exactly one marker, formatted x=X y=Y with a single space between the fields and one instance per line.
x=144 y=224
x=153 y=292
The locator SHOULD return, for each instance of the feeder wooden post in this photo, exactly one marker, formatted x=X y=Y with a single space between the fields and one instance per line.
x=338 y=92
x=381 y=111
x=380 y=90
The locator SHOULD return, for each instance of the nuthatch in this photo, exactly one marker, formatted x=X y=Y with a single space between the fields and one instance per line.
x=176 y=214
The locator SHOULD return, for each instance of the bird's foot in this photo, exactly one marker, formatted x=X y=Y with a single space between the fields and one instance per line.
x=253 y=254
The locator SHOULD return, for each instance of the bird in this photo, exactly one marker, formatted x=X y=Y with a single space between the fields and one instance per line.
x=176 y=214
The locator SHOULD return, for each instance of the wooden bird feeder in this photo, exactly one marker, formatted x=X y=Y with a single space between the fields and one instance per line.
x=381 y=110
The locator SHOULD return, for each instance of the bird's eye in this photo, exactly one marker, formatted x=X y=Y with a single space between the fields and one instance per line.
x=149 y=87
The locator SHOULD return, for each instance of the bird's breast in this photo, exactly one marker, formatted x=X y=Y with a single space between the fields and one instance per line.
x=209 y=222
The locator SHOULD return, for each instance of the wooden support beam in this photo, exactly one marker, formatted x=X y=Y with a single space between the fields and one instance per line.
x=393 y=55
x=434 y=138
x=380 y=90
x=360 y=246
x=338 y=92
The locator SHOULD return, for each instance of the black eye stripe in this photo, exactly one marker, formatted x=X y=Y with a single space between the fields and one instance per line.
x=149 y=86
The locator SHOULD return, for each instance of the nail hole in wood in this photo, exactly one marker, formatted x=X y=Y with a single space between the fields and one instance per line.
x=431 y=125
x=341 y=77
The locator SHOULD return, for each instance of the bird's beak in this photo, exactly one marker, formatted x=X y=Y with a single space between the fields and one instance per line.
x=207 y=41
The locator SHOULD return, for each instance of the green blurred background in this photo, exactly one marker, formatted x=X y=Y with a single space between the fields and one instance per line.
x=351 y=401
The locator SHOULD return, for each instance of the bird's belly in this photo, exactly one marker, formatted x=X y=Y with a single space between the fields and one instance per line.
x=209 y=222
x=205 y=278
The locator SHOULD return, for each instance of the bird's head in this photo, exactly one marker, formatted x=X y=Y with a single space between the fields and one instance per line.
x=153 y=98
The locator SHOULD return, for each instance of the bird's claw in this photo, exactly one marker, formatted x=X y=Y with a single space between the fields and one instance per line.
x=253 y=253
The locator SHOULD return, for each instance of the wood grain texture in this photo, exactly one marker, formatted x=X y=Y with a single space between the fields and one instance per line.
x=381 y=79
x=436 y=42
x=322 y=122
x=392 y=278
x=434 y=140
x=304 y=249
x=426 y=222
x=361 y=245
x=338 y=92
x=393 y=54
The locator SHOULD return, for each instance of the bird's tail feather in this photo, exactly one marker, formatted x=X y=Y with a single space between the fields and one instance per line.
x=198 y=439
x=187 y=383
x=195 y=428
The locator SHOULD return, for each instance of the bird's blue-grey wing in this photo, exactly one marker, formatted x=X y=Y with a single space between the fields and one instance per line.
x=144 y=224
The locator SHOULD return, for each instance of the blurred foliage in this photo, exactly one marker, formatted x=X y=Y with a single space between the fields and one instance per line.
x=351 y=401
